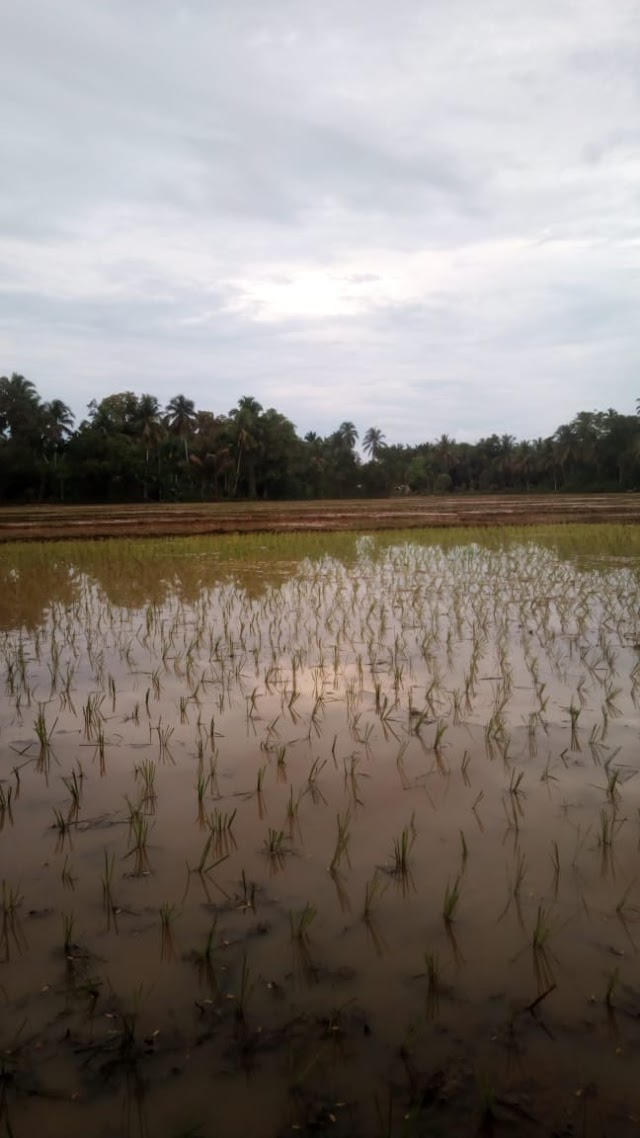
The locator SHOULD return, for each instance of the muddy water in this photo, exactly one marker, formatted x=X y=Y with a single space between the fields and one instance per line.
x=344 y=843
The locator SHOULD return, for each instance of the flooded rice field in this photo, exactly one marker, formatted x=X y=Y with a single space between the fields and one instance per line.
x=321 y=835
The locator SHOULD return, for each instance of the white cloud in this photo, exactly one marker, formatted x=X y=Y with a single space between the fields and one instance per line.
x=421 y=213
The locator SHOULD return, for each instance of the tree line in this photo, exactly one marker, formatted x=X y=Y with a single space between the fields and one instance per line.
x=130 y=448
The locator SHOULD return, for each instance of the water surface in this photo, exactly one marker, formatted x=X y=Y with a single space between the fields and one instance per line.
x=313 y=834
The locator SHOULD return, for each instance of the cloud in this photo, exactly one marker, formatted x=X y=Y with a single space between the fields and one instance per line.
x=424 y=214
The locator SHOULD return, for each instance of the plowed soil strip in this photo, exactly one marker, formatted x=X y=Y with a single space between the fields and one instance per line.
x=39 y=523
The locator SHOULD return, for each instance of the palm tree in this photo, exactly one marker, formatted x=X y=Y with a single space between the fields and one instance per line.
x=373 y=442
x=180 y=415
x=565 y=448
x=20 y=407
x=60 y=418
x=57 y=425
x=246 y=428
x=148 y=422
x=249 y=407
x=149 y=428
x=347 y=434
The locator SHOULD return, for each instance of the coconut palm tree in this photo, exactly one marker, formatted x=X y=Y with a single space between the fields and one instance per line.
x=149 y=426
x=347 y=434
x=180 y=418
x=245 y=419
x=373 y=442
x=149 y=429
x=60 y=418
x=20 y=407
x=57 y=425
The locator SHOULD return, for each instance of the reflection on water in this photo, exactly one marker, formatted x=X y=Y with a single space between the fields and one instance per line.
x=351 y=821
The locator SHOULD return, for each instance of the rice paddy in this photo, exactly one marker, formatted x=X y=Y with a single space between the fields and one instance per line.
x=304 y=833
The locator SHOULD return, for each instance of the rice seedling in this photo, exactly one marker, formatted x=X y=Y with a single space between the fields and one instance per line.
x=451 y=900
x=402 y=846
x=68 y=922
x=613 y=982
x=156 y=684
x=312 y=780
x=417 y=720
x=477 y=800
x=515 y=784
x=487 y=1104
x=607 y=829
x=352 y=778
x=581 y=839
x=574 y=713
x=432 y=969
x=373 y=890
x=245 y=990
x=248 y=893
x=293 y=804
x=441 y=728
x=342 y=841
x=220 y=823
x=205 y=959
x=62 y=825
x=541 y=930
x=10 y=932
x=300 y=921
x=92 y=715
x=67 y=875
x=622 y=909
x=512 y=812
x=146 y=773
x=315 y=717
x=519 y=874
x=107 y=881
x=183 y=708
x=164 y=733
x=547 y=774
x=611 y=695
x=6 y=811
x=73 y=783
x=168 y=915
x=464 y=768
x=204 y=866
x=274 y=844
x=464 y=849
x=281 y=765
x=386 y=1127
x=613 y=778
x=555 y=862
x=44 y=734
x=139 y=831
x=129 y=1017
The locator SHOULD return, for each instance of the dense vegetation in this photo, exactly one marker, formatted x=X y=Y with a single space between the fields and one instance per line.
x=129 y=448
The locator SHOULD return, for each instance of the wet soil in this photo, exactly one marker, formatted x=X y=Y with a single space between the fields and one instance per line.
x=152 y=520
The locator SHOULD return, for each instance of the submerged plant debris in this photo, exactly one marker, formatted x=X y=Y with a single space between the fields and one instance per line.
x=304 y=834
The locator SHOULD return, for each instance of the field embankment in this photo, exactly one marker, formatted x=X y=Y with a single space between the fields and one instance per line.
x=173 y=519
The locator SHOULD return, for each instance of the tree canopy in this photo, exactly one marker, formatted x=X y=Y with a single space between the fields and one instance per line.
x=130 y=448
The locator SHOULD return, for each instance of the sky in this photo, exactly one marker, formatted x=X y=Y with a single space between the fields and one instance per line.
x=415 y=215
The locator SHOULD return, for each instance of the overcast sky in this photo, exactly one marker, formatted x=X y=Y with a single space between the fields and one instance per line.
x=415 y=214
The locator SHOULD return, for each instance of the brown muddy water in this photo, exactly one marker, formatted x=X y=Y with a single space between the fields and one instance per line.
x=314 y=835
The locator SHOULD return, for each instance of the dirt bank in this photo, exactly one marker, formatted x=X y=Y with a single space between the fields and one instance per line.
x=163 y=520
